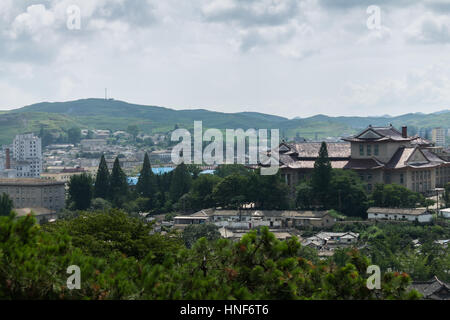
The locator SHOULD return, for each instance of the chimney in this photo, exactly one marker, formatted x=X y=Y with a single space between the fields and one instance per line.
x=8 y=159
x=405 y=132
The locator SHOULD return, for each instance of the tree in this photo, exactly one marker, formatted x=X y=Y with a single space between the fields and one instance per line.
x=100 y=204
x=347 y=194
x=194 y=232
x=102 y=233
x=232 y=191
x=321 y=177
x=447 y=195
x=304 y=196
x=102 y=180
x=6 y=204
x=180 y=183
x=201 y=196
x=194 y=170
x=80 y=191
x=267 y=192
x=396 y=196
x=46 y=137
x=74 y=135
x=225 y=170
x=146 y=185
x=118 y=187
x=133 y=130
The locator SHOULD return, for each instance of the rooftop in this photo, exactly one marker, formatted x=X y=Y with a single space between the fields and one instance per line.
x=399 y=211
x=379 y=134
x=29 y=182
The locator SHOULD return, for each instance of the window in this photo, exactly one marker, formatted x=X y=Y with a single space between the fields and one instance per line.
x=361 y=149
x=369 y=150
x=401 y=178
x=376 y=150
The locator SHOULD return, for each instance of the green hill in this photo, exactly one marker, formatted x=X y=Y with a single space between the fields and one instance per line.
x=117 y=115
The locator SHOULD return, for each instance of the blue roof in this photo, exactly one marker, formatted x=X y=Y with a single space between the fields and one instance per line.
x=132 y=181
x=162 y=170
x=207 y=172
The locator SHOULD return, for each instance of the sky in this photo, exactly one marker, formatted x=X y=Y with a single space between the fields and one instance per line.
x=293 y=58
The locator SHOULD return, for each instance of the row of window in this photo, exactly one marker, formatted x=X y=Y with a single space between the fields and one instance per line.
x=368 y=150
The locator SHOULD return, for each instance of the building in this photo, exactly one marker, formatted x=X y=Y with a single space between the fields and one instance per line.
x=34 y=193
x=41 y=214
x=418 y=215
x=377 y=154
x=273 y=219
x=438 y=136
x=93 y=144
x=64 y=175
x=445 y=213
x=433 y=289
x=27 y=156
x=237 y=235
x=331 y=239
x=183 y=221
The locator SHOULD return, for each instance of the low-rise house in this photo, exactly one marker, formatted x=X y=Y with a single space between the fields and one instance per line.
x=196 y=218
x=323 y=239
x=41 y=214
x=421 y=215
x=443 y=243
x=93 y=144
x=234 y=234
x=445 y=213
x=248 y=219
x=433 y=289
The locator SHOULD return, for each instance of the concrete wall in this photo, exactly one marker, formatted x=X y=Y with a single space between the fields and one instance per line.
x=28 y=196
x=420 y=218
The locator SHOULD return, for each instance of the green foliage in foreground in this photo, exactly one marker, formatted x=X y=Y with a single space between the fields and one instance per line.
x=6 y=204
x=33 y=265
x=391 y=246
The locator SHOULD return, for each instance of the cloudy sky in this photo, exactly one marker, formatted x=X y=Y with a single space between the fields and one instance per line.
x=285 y=57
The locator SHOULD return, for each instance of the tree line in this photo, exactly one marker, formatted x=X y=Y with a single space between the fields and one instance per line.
x=232 y=187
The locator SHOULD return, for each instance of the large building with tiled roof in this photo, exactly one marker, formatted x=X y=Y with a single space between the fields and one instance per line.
x=377 y=154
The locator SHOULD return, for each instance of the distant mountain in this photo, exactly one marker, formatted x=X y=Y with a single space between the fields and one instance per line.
x=442 y=111
x=117 y=115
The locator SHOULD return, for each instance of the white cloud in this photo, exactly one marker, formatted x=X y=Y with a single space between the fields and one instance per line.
x=290 y=57
x=33 y=22
x=419 y=88
x=429 y=28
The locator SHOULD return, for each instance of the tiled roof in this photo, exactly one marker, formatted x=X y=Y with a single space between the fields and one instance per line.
x=402 y=155
x=36 y=211
x=385 y=133
x=398 y=211
x=309 y=164
x=363 y=164
x=430 y=289
x=29 y=182
x=311 y=149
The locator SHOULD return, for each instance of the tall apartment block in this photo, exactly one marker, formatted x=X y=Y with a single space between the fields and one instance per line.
x=438 y=136
x=27 y=155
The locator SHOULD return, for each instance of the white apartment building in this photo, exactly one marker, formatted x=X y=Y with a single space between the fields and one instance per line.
x=438 y=136
x=27 y=155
